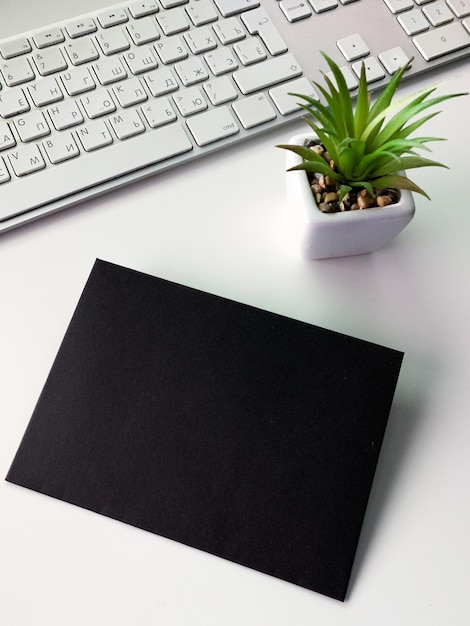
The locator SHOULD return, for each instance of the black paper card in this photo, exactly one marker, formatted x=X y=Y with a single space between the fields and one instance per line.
x=240 y=432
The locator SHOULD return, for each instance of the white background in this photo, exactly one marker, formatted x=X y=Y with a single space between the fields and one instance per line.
x=222 y=225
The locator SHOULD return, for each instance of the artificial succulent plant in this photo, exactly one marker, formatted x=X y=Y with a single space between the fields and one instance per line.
x=368 y=144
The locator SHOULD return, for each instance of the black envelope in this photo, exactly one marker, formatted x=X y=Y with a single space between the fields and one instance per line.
x=240 y=432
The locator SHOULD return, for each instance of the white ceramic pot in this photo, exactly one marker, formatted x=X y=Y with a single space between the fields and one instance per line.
x=326 y=235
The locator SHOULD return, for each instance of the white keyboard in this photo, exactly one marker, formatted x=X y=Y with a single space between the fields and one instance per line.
x=113 y=96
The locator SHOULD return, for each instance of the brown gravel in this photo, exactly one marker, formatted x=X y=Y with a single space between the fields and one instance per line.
x=326 y=192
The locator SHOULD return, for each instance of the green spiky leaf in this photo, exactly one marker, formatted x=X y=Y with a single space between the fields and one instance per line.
x=368 y=142
x=395 y=181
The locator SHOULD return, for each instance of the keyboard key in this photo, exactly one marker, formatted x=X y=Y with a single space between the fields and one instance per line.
x=81 y=51
x=169 y=4
x=220 y=90
x=323 y=5
x=413 y=22
x=267 y=74
x=140 y=9
x=4 y=173
x=6 y=137
x=65 y=114
x=173 y=21
x=438 y=13
x=109 y=70
x=461 y=8
x=126 y=124
x=221 y=61
x=191 y=71
x=250 y=51
x=48 y=37
x=254 y=110
x=374 y=70
x=17 y=71
x=49 y=61
x=201 y=12
x=441 y=41
x=295 y=10
x=349 y=77
x=212 y=126
x=45 y=91
x=143 y=31
x=396 y=6
x=12 y=102
x=200 y=40
x=259 y=23
x=229 y=30
x=60 y=148
x=15 y=47
x=98 y=103
x=190 y=101
x=287 y=103
x=112 y=41
x=113 y=17
x=393 y=59
x=353 y=47
x=130 y=92
x=161 y=81
x=80 y=27
x=78 y=80
x=94 y=135
x=158 y=112
x=26 y=160
x=171 y=49
x=31 y=126
x=231 y=7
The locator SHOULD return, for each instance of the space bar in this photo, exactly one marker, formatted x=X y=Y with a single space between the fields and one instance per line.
x=91 y=169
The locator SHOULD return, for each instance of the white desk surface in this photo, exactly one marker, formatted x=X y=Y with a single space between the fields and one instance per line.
x=221 y=225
